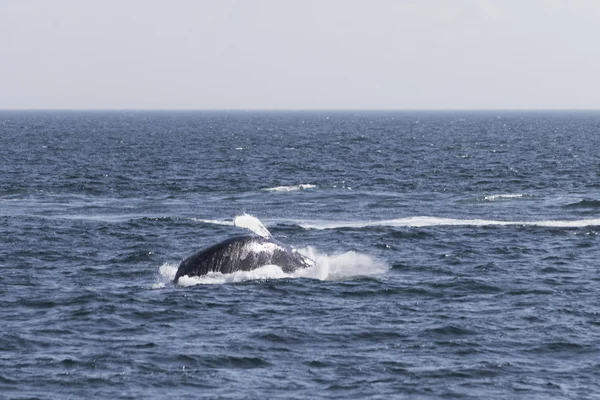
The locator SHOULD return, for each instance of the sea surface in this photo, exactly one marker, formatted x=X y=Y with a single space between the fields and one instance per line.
x=457 y=255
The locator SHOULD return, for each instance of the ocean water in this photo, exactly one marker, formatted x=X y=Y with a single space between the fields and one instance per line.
x=457 y=255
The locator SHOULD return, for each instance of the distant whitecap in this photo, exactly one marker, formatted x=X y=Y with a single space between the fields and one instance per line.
x=292 y=188
x=496 y=197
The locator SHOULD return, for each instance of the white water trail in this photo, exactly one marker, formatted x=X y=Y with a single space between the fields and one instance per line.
x=435 y=221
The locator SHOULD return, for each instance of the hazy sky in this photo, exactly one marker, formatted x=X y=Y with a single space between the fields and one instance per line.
x=305 y=54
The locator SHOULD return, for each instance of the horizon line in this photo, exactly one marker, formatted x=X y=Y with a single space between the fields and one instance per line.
x=312 y=109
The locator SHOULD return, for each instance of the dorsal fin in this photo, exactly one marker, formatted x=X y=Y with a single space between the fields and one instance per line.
x=252 y=223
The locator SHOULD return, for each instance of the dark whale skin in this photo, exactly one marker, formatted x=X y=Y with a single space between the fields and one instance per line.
x=242 y=253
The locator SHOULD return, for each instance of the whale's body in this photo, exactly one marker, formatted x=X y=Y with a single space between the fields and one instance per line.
x=243 y=253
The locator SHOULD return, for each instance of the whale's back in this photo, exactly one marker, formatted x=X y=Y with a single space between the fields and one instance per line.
x=242 y=253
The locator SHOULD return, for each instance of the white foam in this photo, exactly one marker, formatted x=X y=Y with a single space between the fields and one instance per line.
x=424 y=221
x=292 y=188
x=216 y=278
x=328 y=267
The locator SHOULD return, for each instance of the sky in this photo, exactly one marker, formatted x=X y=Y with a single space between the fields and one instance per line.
x=300 y=54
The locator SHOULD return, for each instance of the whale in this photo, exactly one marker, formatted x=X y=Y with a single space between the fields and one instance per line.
x=244 y=253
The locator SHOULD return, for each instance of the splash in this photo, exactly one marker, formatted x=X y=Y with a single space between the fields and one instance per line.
x=340 y=266
x=334 y=267
x=166 y=274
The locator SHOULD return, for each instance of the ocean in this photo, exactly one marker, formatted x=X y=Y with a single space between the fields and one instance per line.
x=457 y=255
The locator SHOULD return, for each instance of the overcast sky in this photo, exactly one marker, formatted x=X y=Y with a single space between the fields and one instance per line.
x=300 y=54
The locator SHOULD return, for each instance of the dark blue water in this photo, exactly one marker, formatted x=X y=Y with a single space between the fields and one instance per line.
x=458 y=255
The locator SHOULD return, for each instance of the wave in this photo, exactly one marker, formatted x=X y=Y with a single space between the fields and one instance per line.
x=292 y=188
x=108 y=218
x=585 y=204
x=424 y=221
x=334 y=267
